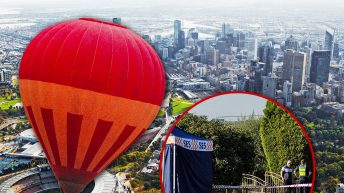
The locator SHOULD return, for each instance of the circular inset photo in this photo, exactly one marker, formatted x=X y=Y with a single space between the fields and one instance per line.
x=237 y=142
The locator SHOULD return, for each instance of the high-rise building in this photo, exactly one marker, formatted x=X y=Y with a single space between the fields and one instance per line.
x=297 y=99
x=213 y=56
x=177 y=28
x=265 y=55
x=252 y=48
x=309 y=96
x=294 y=68
x=287 y=93
x=222 y=46
x=225 y=29
x=5 y=75
x=291 y=43
x=320 y=67
x=335 y=54
x=269 y=86
x=329 y=41
x=238 y=39
x=164 y=53
x=181 y=40
x=170 y=51
x=308 y=52
x=117 y=20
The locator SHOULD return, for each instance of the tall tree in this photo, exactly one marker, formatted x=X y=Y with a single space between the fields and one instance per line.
x=282 y=138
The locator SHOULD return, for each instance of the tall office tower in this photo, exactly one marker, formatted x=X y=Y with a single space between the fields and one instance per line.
x=241 y=40
x=225 y=29
x=291 y=43
x=213 y=56
x=329 y=41
x=215 y=59
x=335 y=50
x=181 y=40
x=222 y=47
x=287 y=93
x=177 y=29
x=252 y=48
x=265 y=55
x=320 y=67
x=308 y=52
x=294 y=68
x=269 y=86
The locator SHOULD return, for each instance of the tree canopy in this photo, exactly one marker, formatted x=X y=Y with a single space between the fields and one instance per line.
x=282 y=138
x=237 y=147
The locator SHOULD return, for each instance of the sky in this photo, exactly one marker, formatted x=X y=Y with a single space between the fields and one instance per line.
x=230 y=105
x=174 y=3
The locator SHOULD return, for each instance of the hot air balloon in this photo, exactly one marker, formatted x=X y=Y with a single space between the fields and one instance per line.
x=90 y=89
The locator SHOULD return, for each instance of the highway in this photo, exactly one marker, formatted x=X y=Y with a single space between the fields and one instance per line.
x=163 y=129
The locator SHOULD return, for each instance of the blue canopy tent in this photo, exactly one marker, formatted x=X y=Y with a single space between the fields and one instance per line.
x=187 y=163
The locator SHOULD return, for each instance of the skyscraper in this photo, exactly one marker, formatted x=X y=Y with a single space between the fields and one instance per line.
x=252 y=48
x=177 y=29
x=287 y=93
x=225 y=29
x=213 y=56
x=269 y=86
x=320 y=67
x=335 y=54
x=329 y=41
x=181 y=40
x=222 y=47
x=241 y=40
x=291 y=43
x=294 y=68
x=265 y=54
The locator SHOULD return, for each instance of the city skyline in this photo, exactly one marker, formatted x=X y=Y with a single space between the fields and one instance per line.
x=199 y=3
x=201 y=57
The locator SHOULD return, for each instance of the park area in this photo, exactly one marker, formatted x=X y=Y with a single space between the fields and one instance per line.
x=179 y=105
x=8 y=102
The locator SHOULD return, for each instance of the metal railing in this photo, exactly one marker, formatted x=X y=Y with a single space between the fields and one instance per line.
x=251 y=180
x=272 y=183
x=273 y=179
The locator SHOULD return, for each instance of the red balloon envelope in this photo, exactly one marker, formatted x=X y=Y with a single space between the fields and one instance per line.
x=89 y=89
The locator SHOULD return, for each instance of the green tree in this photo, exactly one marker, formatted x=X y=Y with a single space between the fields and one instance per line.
x=282 y=138
x=234 y=146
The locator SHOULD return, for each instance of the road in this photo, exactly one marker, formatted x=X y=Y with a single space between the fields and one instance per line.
x=8 y=122
x=162 y=131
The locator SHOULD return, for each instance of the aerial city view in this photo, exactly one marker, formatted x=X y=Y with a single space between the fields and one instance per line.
x=290 y=52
